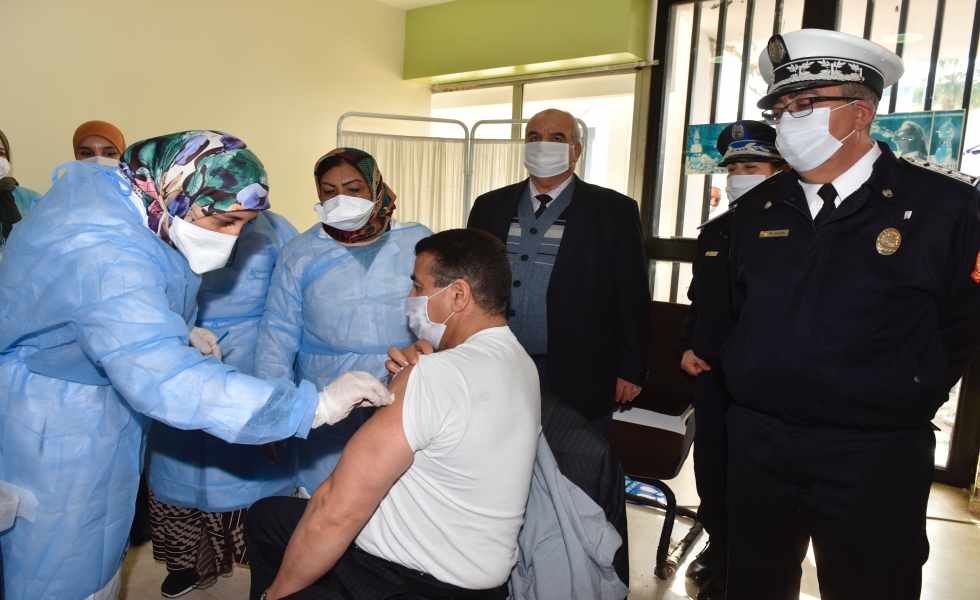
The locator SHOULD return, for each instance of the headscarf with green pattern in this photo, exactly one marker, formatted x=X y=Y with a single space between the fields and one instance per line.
x=380 y=220
x=194 y=174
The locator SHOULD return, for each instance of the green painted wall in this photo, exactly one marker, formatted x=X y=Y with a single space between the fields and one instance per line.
x=479 y=39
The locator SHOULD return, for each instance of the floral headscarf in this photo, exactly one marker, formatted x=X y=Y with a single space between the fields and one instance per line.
x=380 y=220
x=194 y=174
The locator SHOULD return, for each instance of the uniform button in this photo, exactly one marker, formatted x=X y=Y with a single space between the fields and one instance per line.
x=524 y=257
x=511 y=312
x=886 y=193
x=916 y=379
x=532 y=230
x=517 y=283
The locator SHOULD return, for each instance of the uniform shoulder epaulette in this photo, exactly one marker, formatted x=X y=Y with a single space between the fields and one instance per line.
x=967 y=179
x=715 y=217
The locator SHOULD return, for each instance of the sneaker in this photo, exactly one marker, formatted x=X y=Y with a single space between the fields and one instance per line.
x=178 y=583
x=706 y=564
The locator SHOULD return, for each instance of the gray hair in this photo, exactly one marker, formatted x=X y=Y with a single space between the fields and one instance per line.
x=862 y=92
x=576 y=132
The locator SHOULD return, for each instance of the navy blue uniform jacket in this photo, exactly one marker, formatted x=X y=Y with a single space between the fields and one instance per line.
x=832 y=332
x=598 y=297
x=709 y=319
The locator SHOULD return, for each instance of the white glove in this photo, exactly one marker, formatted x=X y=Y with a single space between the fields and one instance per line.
x=205 y=342
x=347 y=392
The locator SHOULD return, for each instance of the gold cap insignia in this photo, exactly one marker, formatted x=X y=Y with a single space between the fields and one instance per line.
x=888 y=241
x=777 y=50
x=738 y=131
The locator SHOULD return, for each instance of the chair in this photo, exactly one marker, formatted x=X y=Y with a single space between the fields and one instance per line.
x=653 y=433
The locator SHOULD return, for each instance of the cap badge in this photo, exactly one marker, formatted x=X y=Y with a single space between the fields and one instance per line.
x=777 y=50
x=888 y=241
x=738 y=132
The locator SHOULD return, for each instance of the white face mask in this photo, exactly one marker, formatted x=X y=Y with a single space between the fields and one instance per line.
x=102 y=160
x=4 y=167
x=417 y=311
x=806 y=142
x=346 y=213
x=546 y=159
x=739 y=184
x=205 y=250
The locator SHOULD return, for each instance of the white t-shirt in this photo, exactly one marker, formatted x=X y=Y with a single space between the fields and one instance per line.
x=472 y=415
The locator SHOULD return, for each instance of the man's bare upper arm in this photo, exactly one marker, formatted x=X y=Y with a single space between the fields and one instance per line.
x=372 y=461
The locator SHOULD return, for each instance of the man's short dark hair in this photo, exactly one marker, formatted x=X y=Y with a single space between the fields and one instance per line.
x=476 y=257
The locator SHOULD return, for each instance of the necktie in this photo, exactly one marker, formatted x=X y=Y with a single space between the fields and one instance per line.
x=544 y=199
x=829 y=196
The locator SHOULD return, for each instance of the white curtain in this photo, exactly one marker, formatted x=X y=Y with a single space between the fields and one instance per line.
x=427 y=175
x=496 y=163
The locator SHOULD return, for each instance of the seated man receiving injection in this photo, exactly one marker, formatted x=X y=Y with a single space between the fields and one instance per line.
x=419 y=502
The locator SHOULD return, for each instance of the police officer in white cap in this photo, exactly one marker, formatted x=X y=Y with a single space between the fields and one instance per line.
x=857 y=283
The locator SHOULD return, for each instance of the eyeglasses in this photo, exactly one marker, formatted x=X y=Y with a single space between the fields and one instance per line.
x=799 y=108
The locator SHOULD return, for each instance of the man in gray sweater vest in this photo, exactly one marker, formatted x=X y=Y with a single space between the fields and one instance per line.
x=580 y=301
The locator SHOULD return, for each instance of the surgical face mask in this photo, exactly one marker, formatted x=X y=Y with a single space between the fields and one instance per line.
x=102 y=160
x=417 y=311
x=346 y=213
x=739 y=184
x=546 y=159
x=4 y=167
x=205 y=250
x=806 y=142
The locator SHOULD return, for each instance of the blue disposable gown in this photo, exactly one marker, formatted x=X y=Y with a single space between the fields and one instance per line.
x=335 y=308
x=196 y=470
x=93 y=344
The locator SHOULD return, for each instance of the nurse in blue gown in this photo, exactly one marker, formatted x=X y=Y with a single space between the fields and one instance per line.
x=99 y=293
x=337 y=300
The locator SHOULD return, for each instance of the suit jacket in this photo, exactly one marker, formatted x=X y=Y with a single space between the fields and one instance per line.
x=589 y=462
x=598 y=297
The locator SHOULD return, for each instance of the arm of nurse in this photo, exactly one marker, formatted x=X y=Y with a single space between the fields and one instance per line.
x=371 y=463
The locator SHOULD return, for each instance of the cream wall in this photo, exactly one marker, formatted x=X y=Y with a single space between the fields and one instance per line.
x=276 y=74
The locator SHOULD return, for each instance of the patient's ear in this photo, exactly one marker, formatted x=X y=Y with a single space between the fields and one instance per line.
x=462 y=294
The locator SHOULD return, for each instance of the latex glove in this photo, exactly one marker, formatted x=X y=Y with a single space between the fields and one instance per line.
x=347 y=392
x=205 y=342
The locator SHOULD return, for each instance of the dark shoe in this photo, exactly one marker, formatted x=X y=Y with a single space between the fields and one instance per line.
x=714 y=587
x=706 y=564
x=178 y=583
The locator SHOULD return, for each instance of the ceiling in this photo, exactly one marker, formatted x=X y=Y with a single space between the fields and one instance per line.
x=410 y=4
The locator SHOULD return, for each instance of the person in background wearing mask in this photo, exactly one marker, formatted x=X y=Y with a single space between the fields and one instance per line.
x=99 y=291
x=201 y=486
x=748 y=150
x=856 y=279
x=429 y=495
x=337 y=298
x=579 y=273
x=15 y=201
x=98 y=142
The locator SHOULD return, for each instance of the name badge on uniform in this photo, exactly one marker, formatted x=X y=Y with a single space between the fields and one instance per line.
x=774 y=233
x=888 y=241
x=711 y=253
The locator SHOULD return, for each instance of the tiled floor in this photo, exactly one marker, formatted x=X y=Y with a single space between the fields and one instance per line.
x=952 y=573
